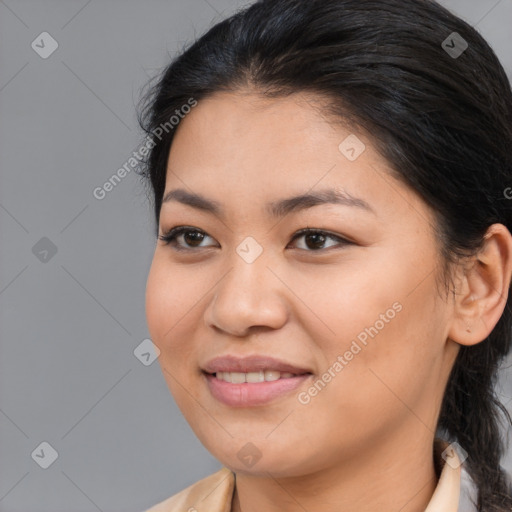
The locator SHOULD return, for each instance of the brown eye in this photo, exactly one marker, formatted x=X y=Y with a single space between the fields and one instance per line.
x=188 y=238
x=315 y=239
x=193 y=237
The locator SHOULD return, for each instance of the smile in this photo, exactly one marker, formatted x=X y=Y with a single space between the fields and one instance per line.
x=251 y=389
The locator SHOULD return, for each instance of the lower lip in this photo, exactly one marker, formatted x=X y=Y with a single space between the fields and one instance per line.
x=250 y=394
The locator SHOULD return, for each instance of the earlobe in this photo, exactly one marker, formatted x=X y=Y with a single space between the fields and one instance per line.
x=483 y=289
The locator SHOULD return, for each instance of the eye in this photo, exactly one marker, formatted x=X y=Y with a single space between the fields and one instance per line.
x=189 y=235
x=315 y=239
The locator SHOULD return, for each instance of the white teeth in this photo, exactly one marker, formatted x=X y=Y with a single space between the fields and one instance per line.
x=224 y=376
x=271 y=375
x=237 y=378
x=255 y=376
x=261 y=376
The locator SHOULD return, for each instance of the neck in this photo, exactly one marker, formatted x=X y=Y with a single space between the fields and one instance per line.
x=392 y=476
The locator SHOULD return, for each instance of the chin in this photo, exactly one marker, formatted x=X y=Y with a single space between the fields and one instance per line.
x=250 y=460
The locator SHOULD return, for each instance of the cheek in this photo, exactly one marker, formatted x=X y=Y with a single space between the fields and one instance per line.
x=169 y=304
x=339 y=303
x=157 y=300
x=169 y=312
x=386 y=327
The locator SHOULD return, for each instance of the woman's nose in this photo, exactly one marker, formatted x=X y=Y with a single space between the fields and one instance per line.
x=248 y=295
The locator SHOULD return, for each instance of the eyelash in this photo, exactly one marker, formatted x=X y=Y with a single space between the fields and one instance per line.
x=169 y=238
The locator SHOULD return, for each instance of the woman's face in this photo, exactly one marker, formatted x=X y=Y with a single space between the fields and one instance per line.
x=357 y=307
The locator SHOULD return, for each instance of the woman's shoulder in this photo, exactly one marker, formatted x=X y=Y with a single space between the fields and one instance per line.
x=210 y=494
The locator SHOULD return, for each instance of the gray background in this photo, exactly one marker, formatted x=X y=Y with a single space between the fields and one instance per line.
x=69 y=325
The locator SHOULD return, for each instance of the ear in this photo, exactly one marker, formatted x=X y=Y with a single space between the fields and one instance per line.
x=483 y=290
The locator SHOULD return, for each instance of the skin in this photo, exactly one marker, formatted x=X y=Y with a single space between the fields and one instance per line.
x=364 y=442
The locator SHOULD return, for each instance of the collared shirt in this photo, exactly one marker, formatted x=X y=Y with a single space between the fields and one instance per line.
x=455 y=490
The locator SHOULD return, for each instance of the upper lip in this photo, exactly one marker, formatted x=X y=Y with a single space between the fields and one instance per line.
x=255 y=363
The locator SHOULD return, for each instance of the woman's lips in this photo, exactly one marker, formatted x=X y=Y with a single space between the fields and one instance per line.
x=248 y=394
x=252 y=363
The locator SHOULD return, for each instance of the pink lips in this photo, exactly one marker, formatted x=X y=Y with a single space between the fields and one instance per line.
x=248 y=364
x=249 y=394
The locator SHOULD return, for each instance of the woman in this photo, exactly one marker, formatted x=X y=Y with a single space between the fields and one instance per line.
x=329 y=288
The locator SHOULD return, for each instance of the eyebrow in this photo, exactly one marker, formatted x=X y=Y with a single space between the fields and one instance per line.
x=274 y=209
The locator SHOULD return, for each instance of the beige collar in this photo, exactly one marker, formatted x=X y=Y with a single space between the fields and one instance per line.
x=215 y=492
